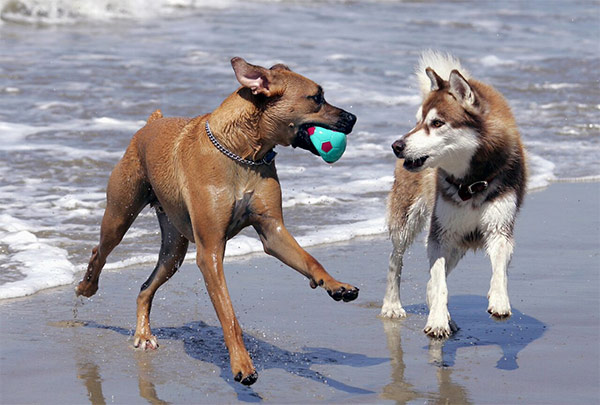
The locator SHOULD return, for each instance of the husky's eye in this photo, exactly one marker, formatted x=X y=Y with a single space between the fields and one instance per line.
x=437 y=123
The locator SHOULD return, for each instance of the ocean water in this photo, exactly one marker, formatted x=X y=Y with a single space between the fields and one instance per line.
x=78 y=78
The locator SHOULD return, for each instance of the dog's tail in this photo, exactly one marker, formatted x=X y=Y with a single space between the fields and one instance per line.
x=154 y=116
x=442 y=63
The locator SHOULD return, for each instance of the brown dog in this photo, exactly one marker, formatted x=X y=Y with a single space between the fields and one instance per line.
x=208 y=182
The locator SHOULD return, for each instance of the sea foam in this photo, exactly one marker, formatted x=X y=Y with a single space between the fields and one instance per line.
x=43 y=264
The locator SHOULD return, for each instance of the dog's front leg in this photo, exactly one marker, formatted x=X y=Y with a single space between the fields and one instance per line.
x=499 y=248
x=210 y=261
x=392 y=307
x=278 y=242
x=437 y=299
x=439 y=324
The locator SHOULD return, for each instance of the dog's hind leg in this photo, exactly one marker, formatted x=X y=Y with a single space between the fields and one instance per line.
x=172 y=252
x=126 y=195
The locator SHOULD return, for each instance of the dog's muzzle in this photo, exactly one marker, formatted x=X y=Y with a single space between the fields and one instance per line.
x=344 y=124
x=409 y=164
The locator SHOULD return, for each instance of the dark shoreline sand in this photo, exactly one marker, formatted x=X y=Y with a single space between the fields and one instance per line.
x=57 y=349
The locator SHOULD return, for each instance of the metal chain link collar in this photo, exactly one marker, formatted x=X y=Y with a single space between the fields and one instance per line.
x=267 y=160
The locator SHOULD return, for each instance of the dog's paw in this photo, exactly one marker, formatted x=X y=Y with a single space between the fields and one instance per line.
x=438 y=332
x=336 y=290
x=145 y=342
x=242 y=369
x=499 y=314
x=499 y=306
x=392 y=311
x=248 y=379
x=439 y=325
x=86 y=288
x=344 y=292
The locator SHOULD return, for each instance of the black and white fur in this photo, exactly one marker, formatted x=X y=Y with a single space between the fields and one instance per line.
x=461 y=171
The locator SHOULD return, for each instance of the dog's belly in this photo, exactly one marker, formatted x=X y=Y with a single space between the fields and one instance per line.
x=179 y=216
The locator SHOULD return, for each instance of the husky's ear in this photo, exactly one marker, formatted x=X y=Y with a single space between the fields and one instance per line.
x=256 y=78
x=436 y=81
x=461 y=89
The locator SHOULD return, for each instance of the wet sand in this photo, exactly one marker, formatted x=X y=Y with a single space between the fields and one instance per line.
x=58 y=349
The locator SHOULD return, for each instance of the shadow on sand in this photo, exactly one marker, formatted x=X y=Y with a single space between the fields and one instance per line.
x=476 y=329
x=205 y=343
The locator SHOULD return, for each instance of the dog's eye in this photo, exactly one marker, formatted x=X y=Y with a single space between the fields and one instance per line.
x=318 y=98
x=437 y=123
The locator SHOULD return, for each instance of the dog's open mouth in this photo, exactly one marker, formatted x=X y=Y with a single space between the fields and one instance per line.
x=302 y=139
x=414 y=164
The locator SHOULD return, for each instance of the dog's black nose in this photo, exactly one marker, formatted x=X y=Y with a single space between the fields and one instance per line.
x=347 y=121
x=351 y=118
x=398 y=148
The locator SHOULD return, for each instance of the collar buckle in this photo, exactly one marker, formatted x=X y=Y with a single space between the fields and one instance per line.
x=466 y=192
x=477 y=187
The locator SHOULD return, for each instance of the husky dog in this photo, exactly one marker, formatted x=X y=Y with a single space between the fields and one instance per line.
x=461 y=170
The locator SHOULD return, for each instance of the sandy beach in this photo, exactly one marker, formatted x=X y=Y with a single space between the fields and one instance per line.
x=57 y=349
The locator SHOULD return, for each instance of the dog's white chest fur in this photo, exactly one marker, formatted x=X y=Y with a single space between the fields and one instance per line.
x=460 y=224
x=455 y=222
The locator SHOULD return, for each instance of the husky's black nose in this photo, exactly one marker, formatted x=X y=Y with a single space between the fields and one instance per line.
x=398 y=148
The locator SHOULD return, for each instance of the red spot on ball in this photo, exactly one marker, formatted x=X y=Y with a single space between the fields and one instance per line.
x=311 y=130
x=326 y=146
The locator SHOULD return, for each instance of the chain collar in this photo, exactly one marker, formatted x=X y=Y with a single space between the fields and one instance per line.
x=267 y=160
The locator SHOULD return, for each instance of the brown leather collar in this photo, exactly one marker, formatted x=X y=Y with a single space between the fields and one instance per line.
x=467 y=191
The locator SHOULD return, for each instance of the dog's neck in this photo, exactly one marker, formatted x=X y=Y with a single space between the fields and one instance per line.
x=237 y=125
x=483 y=169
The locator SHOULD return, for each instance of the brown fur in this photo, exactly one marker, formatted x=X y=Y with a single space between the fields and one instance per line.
x=501 y=154
x=470 y=119
x=205 y=197
x=407 y=188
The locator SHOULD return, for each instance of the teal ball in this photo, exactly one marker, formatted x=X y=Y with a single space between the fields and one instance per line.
x=330 y=144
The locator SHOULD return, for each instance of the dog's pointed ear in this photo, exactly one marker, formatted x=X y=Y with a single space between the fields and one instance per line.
x=256 y=78
x=462 y=90
x=436 y=81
